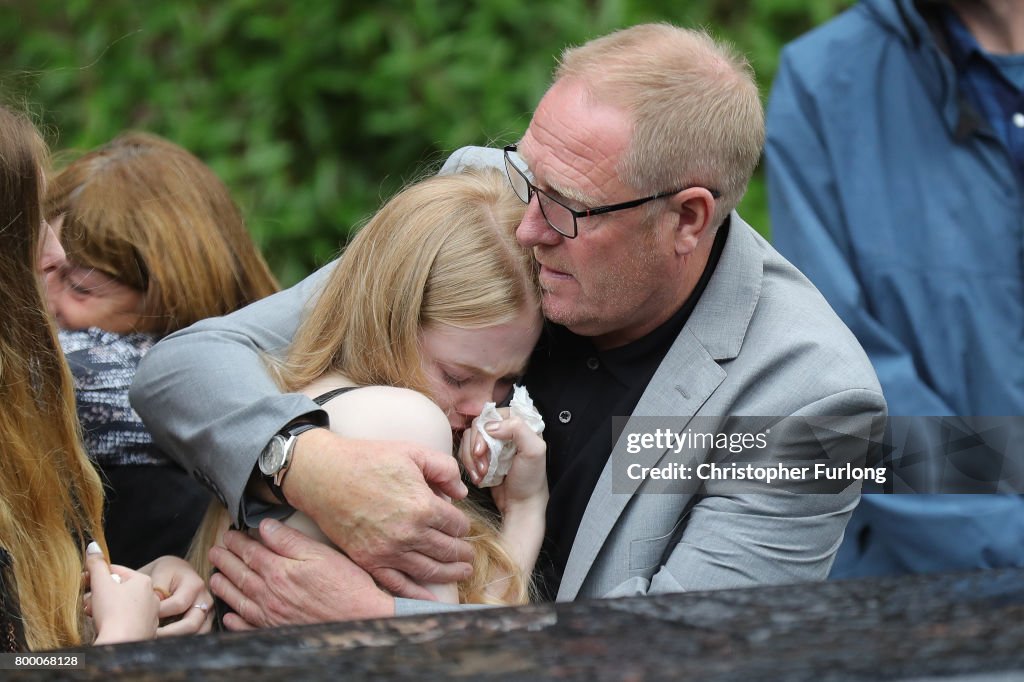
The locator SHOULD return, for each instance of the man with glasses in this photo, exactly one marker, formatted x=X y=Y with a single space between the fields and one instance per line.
x=661 y=301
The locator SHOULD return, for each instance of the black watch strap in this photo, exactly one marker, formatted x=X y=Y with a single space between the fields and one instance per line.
x=290 y=431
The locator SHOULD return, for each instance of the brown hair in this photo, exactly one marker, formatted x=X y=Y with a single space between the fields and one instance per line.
x=697 y=114
x=51 y=499
x=153 y=216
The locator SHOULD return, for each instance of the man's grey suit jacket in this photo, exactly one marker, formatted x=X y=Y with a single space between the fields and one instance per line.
x=760 y=342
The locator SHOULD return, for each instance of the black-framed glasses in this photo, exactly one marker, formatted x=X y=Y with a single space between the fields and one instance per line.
x=560 y=217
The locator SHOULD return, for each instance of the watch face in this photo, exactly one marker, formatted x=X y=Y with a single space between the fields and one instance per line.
x=272 y=457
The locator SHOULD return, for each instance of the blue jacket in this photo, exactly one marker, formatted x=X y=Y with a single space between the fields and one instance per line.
x=898 y=201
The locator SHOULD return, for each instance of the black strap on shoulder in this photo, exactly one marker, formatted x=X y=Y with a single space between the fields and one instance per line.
x=324 y=398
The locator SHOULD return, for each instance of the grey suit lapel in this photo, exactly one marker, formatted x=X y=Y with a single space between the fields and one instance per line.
x=684 y=381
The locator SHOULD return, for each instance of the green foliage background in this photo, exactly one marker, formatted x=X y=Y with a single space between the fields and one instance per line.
x=313 y=111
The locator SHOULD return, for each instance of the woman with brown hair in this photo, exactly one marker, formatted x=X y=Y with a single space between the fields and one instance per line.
x=154 y=243
x=51 y=499
x=432 y=311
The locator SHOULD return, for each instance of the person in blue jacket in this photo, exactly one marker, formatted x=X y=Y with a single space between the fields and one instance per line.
x=895 y=157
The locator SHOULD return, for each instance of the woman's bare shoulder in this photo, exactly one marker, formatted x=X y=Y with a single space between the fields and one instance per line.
x=390 y=413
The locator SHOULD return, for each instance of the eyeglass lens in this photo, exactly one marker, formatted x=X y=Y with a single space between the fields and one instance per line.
x=558 y=217
x=517 y=179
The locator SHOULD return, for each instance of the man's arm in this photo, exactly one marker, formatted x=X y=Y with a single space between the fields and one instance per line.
x=777 y=537
x=809 y=228
x=210 y=402
x=206 y=396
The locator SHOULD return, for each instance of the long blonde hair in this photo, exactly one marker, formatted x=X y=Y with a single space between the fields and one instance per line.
x=442 y=251
x=51 y=499
x=154 y=217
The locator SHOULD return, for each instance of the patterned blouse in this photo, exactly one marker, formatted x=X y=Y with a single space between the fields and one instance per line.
x=103 y=365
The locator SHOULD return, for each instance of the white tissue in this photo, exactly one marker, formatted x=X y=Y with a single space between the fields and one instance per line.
x=502 y=451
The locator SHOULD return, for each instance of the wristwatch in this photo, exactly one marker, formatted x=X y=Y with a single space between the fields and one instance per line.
x=277 y=456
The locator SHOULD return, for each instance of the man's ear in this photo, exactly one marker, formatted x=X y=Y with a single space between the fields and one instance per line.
x=692 y=210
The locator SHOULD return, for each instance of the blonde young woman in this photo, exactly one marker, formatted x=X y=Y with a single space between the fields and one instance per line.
x=50 y=496
x=432 y=311
x=154 y=243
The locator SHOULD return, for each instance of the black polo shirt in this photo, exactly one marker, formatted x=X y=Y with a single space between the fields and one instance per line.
x=578 y=389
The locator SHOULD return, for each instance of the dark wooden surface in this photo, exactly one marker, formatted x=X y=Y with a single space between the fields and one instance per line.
x=960 y=627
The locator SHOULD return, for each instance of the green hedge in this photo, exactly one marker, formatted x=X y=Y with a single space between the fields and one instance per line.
x=313 y=111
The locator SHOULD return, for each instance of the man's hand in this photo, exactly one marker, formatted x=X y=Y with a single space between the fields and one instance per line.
x=291 y=580
x=377 y=501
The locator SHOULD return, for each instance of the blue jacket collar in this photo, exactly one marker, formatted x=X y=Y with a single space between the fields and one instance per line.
x=917 y=23
x=902 y=17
